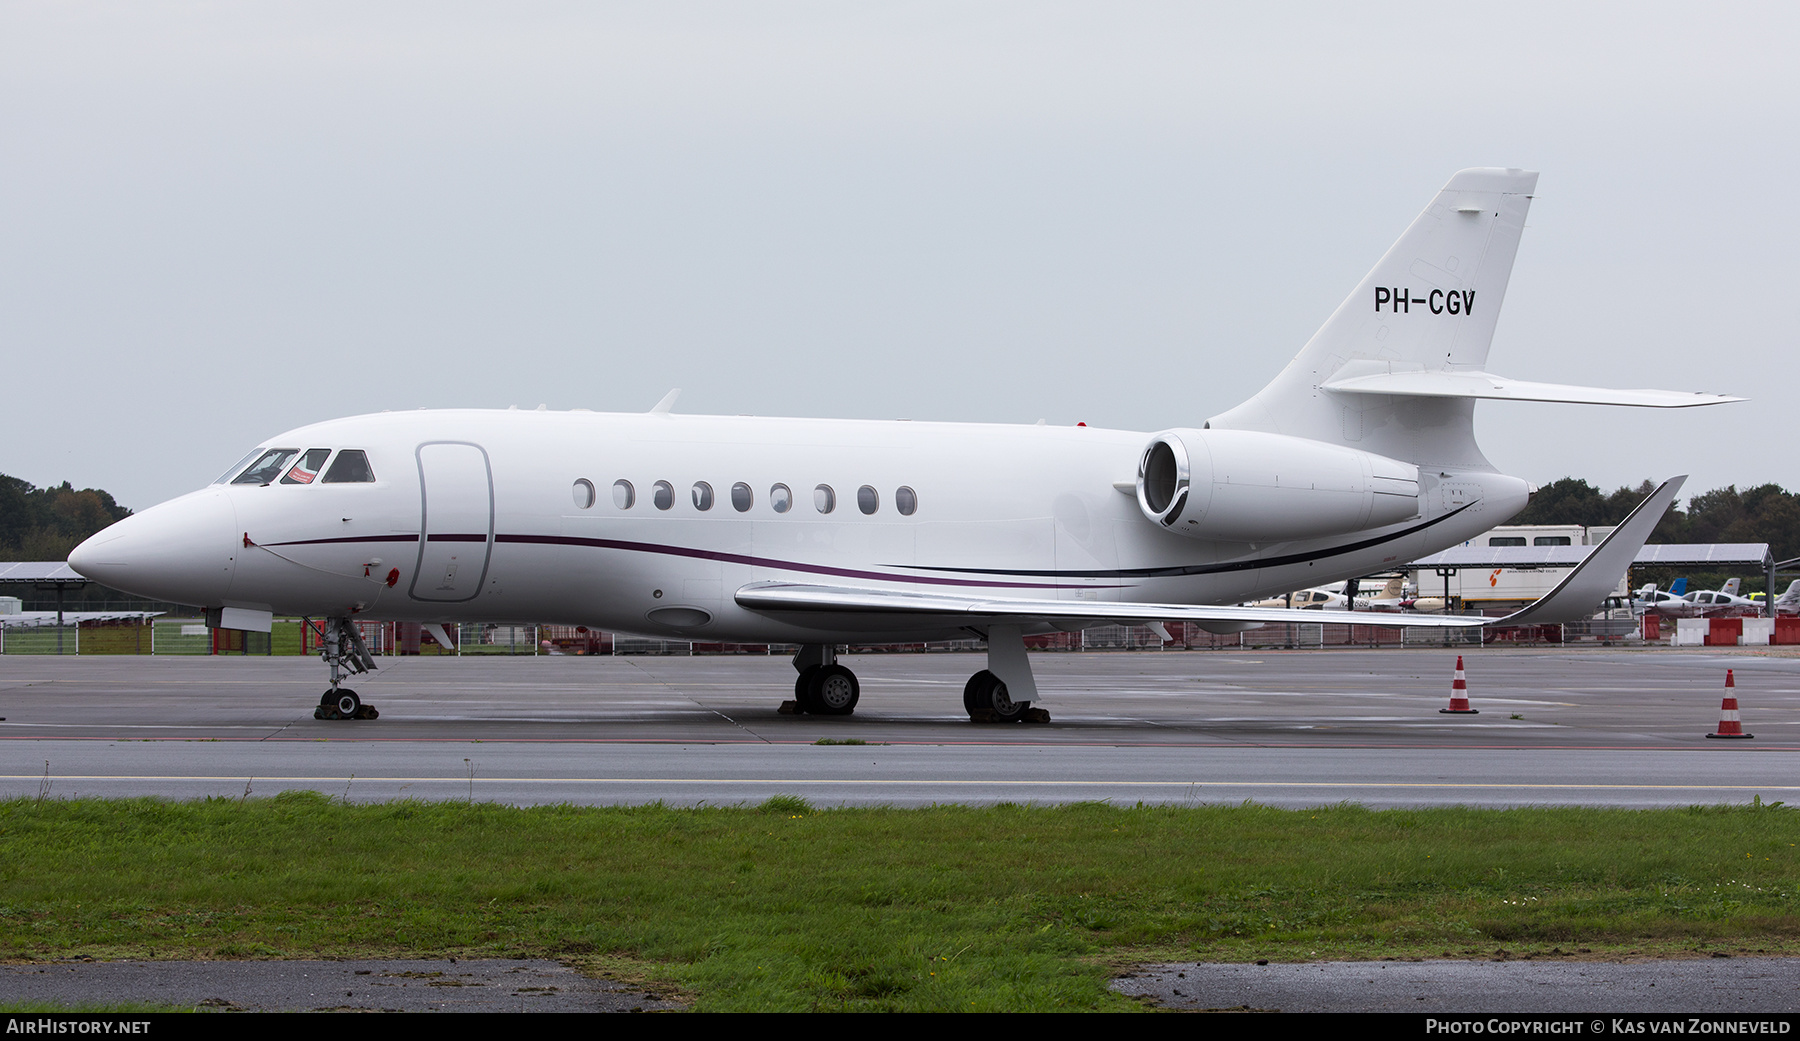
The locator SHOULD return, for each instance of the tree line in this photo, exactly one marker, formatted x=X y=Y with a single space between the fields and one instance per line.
x=1765 y=513
x=46 y=523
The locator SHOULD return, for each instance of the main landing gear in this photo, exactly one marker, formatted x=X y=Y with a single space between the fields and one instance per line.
x=344 y=651
x=824 y=688
x=1003 y=692
x=1000 y=693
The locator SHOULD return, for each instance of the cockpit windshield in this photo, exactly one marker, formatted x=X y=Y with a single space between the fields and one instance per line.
x=307 y=468
x=290 y=466
x=267 y=467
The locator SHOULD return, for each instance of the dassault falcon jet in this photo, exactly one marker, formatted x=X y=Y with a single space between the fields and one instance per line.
x=1358 y=456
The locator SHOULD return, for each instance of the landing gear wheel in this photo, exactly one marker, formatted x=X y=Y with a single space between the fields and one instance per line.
x=804 y=689
x=970 y=691
x=834 y=691
x=986 y=700
x=347 y=704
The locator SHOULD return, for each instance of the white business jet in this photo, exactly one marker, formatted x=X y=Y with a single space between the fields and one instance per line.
x=1359 y=456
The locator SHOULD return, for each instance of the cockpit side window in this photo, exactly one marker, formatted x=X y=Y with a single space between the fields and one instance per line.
x=350 y=467
x=267 y=467
x=239 y=465
x=307 y=469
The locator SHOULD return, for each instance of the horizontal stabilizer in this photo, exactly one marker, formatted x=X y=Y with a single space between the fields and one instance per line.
x=1422 y=384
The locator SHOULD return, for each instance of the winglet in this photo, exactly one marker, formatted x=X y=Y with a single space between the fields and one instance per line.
x=667 y=403
x=1577 y=595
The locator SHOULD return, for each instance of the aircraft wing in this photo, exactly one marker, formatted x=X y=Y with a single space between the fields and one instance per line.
x=1575 y=597
x=1487 y=385
x=797 y=598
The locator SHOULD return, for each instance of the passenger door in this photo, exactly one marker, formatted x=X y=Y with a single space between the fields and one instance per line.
x=456 y=521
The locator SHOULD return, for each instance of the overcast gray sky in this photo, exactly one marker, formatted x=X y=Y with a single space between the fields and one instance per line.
x=220 y=221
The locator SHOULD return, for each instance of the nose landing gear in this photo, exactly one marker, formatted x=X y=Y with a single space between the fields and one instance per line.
x=343 y=703
x=344 y=651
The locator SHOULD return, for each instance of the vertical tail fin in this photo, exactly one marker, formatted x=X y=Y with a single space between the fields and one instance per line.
x=1429 y=305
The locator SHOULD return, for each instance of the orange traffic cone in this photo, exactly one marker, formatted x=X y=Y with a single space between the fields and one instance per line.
x=1459 y=695
x=1729 y=724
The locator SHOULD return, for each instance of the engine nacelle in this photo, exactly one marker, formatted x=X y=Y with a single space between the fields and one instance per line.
x=1250 y=486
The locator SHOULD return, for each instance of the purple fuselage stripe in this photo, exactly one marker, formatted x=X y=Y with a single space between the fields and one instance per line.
x=785 y=565
x=702 y=554
x=349 y=539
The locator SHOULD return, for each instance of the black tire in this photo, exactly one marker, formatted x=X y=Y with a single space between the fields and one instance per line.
x=803 y=688
x=971 y=690
x=835 y=691
x=346 y=703
x=328 y=699
x=987 y=698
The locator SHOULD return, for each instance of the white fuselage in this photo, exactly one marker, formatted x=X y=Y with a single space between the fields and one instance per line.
x=477 y=515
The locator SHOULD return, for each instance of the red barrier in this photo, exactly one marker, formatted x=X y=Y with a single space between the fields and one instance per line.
x=1724 y=632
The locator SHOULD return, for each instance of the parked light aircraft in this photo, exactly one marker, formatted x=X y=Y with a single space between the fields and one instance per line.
x=1696 y=603
x=1308 y=600
x=1788 y=603
x=1722 y=601
x=1398 y=595
x=1393 y=596
x=1648 y=599
x=1358 y=456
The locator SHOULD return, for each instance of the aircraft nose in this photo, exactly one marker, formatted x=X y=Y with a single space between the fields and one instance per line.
x=181 y=551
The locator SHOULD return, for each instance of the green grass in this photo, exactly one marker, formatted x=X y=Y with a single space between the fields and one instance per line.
x=786 y=907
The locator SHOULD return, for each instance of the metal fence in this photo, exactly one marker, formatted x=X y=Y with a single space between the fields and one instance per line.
x=178 y=637
x=41 y=639
x=478 y=638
